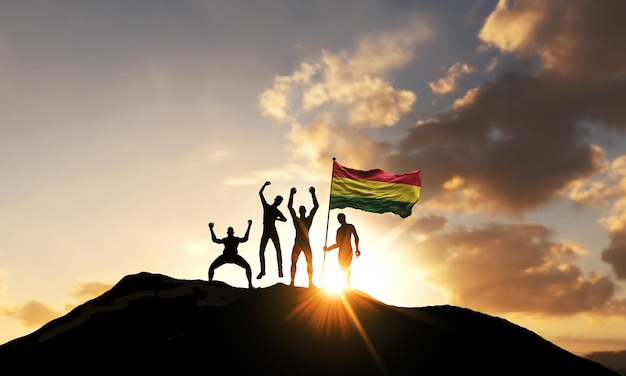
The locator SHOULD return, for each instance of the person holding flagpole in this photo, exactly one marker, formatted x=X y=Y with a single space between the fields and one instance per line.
x=345 y=233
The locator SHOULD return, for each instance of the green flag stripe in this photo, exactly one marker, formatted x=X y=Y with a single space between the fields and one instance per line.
x=403 y=209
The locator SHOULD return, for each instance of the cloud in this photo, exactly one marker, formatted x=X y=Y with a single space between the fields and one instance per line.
x=511 y=145
x=518 y=142
x=88 y=290
x=35 y=313
x=430 y=223
x=466 y=100
x=574 y=37
x=511 y=155
x=513 y=268
x=324 y=138
x=615 y=307
x=601 y=190
x=615 y=253
x=274 y=102
x=349 y=84
x=333 y=102
x=349 y=81
x=30 y=314
x=448 y=84
x=608 y=190
x=495 y=61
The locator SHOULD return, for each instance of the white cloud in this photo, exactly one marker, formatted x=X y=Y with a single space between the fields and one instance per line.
x=332 y=101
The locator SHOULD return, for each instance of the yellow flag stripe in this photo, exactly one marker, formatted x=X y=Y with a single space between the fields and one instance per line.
x=374 y=189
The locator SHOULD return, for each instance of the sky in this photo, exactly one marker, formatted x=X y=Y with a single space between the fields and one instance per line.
x=126 y=127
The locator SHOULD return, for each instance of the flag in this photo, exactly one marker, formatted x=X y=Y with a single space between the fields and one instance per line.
x=374 y=191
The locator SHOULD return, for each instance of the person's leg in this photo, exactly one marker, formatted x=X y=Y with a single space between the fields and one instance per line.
x=249 y=275
x=308 y=255
x=345 y=259
x=244 y=264
x=211 y=272
x=264 y=239
x=294 y=260
x=219 y=261
x=279 y=253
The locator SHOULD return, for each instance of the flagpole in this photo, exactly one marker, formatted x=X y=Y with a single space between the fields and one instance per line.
x=327 y=219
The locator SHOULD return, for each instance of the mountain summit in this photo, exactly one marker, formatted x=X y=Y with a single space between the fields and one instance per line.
x=155 y=323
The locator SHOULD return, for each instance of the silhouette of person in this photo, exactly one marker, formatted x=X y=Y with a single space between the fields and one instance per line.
x=345 y=232
x=271 y=214
x=301 y=244
x=230 y=254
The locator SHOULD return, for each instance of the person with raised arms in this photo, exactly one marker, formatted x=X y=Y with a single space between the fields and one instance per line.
x=230 y=254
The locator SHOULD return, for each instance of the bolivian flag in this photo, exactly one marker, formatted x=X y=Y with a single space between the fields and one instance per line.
x=374 y=191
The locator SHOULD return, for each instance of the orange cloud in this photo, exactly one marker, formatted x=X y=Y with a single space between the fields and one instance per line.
x=513 y=268
x=85 y=291
x=430 y=223
x=321 y=140
x=35 y=313
x=30 y=314
x=573 y=37
x=511 y=28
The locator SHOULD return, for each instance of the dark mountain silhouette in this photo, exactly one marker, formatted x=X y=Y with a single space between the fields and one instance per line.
x=615 y=360
x=153 y=323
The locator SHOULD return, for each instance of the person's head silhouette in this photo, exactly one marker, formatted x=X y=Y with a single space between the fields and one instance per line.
x=341 y=218
x=278 y=200
x=230 y=231
x=302 y=211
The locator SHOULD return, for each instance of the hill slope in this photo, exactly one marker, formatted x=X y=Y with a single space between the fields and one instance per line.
x=154 y=323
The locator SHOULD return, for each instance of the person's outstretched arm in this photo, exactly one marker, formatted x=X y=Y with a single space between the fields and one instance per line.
x=331 y=247
x=245 y=237
x=315 y=203
x=213 y=237
x=261 y=192
x=357 y=252
x=290 y=203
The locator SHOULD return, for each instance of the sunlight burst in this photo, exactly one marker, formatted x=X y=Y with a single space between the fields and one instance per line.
x=335 y=313
x=333 y=284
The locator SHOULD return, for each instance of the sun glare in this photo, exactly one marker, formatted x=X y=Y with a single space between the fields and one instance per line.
x=333 y=284
x=333 y=312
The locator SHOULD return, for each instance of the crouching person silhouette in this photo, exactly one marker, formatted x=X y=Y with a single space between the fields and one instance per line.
x=230 y=254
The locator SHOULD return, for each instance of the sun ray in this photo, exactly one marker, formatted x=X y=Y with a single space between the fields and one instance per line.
x=364 y=336
x=331 y=312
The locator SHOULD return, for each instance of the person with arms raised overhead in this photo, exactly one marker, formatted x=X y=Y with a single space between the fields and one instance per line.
x=302 y=243
x=345 y=232
x=271 y=214
x=230 y=254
